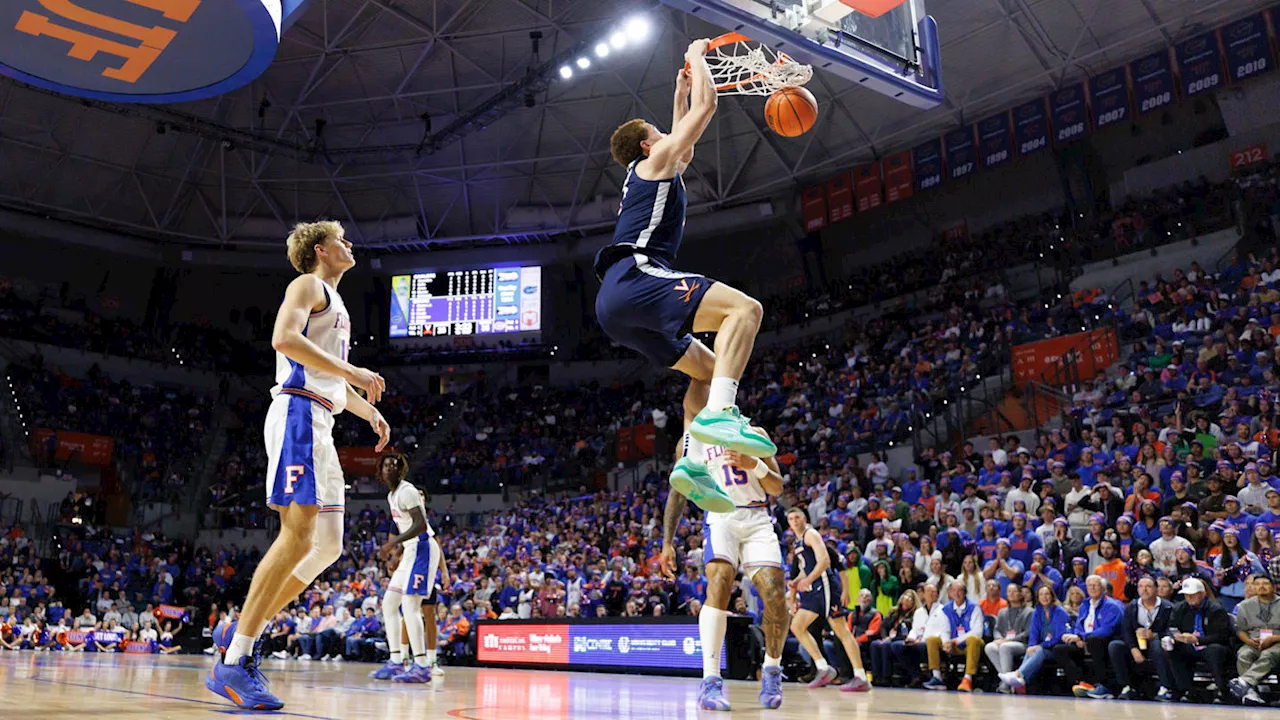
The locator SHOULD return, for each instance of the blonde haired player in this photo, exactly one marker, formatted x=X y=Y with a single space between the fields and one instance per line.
x=742 y=538
x=314 y=382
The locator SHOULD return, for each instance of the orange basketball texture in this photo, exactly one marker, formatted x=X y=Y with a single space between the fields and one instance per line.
x=791 y=111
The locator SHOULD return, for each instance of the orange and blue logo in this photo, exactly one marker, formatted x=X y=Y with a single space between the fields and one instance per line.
x=684 y=287
x=147 y=51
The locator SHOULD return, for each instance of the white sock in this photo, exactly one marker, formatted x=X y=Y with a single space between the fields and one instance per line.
x=241 y=645
x=695 y=449
x=860 y=673
x=772 y=661
x=938 y=674
x=821 y=664
x=391 y=621
x=431 y=657
x=711 y=627
x=724 y=393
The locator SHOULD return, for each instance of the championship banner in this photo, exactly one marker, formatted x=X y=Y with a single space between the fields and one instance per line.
x=1152 y=81
x=1200 y=64
x=1030 y=127
x=867 y=187
x=813 y=208
x=840 y=198
x=607 y=643
x=81 y=447
x=360 y=460
x=1246 y=49
x=1070 y=113
x=1109 y=94
x=636 y=442
x=1092 y=352
x=1248 y=156
x=927 y=158
x=898 y=180
x=995 y=140
x=962 y=157
x=139 y=51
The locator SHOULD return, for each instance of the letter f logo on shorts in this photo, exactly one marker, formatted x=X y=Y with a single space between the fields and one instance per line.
x=684 y=287
x=291 y=475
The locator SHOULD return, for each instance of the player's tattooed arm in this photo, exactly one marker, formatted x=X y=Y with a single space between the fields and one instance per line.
x=671 y=516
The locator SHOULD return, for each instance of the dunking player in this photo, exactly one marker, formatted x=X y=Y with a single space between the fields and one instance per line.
x=415 y=577
x=304 y=480
x=646 y=305
x=818 y=589
x=742 y=538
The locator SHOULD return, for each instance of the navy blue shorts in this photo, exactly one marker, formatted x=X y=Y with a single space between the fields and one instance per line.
x=823 y=598
x=649 y=308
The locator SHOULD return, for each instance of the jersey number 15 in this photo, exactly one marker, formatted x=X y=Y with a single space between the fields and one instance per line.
x=734 y=475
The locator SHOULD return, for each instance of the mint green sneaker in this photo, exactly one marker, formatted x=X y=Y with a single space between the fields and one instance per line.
x=728 y=428
x=694 y=482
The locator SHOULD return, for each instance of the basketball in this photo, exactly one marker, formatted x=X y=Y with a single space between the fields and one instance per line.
x=791 y=111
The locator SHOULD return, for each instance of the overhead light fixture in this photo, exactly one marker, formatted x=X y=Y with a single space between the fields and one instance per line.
x=618 y=40
x=566 y=72
x=583 y=63
x=602 y=50
x=638 y=27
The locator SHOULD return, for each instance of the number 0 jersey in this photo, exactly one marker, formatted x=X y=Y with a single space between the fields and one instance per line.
x=330 y=330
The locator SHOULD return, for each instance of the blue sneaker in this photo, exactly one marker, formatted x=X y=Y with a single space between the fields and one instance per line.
x=711 y=695
x=771 y=688
x=1100 y=692
x=417 y=674
x=935 y=683
x=694 y=481
x=222 y=637
x=387 y=671
x=728 y=428
x=242 y=684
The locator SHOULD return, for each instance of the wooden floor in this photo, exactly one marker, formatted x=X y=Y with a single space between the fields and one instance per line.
x=37 y=686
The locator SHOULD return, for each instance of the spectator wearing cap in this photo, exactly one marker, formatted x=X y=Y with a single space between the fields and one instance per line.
x=1164 y=549
x=1258 y=628
x=1044 y=524
x=1232 y=567
x=1236 y=517
x=1265 y=465
x=1271 y=517
x=1178 y=494
x=1077 y=514
x=1076 y=576
x=1201 y=630
x=1041 y=573
x=1126 y=544
x=1023 y=540
x=1092 y=539
x=1024 y=493
x=856 y=576
x=954 y=630
x=1004 y=569
x=1144 y=623
x=1095 y=626
x=1062 y=482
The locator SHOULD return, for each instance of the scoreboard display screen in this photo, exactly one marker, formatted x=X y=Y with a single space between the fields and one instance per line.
x=466 y=302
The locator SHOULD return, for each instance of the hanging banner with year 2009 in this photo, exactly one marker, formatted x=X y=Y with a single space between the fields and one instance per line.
x=1200 y=64
x=1030 y=127
x=1247 y=50
x=1153 y=81
x=1070 y=113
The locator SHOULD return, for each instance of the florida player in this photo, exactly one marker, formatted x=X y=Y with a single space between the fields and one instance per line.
x=647 y=306
x=743 y=538
x=414 y=577
x=304 y=480
x=817 y=587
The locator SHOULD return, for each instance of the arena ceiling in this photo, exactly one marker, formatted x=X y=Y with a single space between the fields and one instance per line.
x=240 y=168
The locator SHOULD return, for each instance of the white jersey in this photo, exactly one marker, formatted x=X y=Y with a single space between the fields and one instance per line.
x=742 y=486
x=330 y=330
x=403 y=499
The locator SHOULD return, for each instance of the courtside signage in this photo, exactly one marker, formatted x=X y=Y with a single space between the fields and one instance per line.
x=604 y=645
x=143 y=51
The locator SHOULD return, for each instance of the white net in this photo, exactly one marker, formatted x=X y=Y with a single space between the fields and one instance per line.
x=746 y=67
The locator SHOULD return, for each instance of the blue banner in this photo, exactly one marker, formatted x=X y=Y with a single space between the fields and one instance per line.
x=995 y=140
x=1247 y=51
x=1152 y=81
x=1030 y=127
x=927 y=158
x=1201 y=64
x=962 y=158
x=1070 y=113
x=1109 y=93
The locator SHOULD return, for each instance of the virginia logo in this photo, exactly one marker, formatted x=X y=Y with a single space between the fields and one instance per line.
x=684 y=287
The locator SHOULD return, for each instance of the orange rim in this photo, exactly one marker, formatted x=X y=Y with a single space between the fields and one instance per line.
x=730 y=38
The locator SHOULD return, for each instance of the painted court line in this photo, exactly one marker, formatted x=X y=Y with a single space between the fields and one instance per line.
x=219 y=706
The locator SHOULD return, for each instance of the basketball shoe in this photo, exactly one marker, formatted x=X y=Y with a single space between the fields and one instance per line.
x=771 y=688
x=242 y=684
x=694 y=481
x=729 y=428
x=711 y=695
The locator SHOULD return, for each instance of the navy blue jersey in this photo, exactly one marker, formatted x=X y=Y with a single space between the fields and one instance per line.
x=650 y=221
x=807 y=560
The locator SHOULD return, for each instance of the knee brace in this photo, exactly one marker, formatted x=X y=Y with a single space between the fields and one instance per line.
x=326 y=547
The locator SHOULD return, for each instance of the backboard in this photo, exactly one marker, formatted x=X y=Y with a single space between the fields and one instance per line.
x=895 y=54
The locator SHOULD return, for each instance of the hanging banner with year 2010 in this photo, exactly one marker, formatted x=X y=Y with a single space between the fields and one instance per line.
x=1200 y=64
x=927 y=157
x=1030 y=127
x=1153 y=81
x=1247 y=50
x=962 y=159
x=1109 y=92
x=1070 y=113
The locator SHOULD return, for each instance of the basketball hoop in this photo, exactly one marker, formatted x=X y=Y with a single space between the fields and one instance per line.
x=742 y=66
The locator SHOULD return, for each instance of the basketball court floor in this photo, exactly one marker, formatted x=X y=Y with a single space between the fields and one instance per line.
x=40 y=686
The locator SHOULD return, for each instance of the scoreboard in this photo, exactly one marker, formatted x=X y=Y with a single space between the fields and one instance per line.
x=466 y=302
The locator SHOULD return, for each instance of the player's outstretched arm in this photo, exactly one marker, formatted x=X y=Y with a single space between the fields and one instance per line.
x=304 y=296
x=667 y=153
x=681 y=105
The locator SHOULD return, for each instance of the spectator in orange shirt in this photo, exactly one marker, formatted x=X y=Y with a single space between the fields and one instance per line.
x=456 y=631
x=1112 y=568
x=992 y=604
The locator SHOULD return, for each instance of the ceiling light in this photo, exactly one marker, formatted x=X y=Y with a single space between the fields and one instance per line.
x=602 y=50
x=583 y=63
x=638 y=27
x=618 y=40
x=566 y=72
